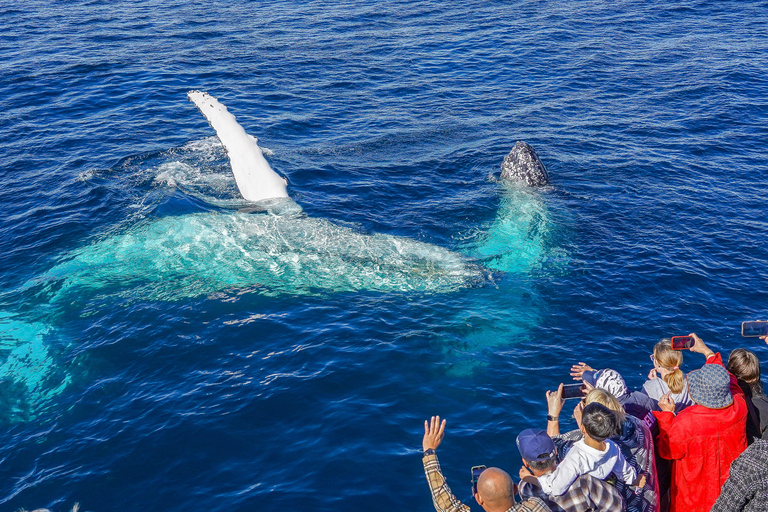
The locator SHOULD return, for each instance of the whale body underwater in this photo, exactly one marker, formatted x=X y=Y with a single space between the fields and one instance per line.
x=273 y=249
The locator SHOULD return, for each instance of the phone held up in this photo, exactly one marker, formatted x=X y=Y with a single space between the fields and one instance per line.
x=682 y=342
x=476 y=470
x=573 y=391
x=754 y=329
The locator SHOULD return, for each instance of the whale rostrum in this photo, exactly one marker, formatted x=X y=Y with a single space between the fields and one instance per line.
x=523 y=165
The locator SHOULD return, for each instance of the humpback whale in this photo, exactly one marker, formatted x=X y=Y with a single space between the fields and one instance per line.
x=266 y=245
x=288 y=252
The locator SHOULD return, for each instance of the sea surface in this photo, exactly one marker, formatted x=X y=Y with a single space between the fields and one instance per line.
x=165 y=347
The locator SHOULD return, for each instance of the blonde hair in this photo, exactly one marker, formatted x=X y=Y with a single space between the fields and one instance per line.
x=603 y=397
x=671 y=360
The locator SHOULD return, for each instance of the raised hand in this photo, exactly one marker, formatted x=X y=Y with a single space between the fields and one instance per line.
x=434 y=430
x=577 y=412
x=555 y=401
x=578 y=370
x=699 y=346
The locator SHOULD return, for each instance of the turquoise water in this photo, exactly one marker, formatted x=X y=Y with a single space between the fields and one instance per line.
x=162 y=346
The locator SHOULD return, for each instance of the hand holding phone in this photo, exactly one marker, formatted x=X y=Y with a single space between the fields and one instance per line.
x=682 y=342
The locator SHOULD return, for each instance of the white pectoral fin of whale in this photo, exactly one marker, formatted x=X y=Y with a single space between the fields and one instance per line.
x=253 y=174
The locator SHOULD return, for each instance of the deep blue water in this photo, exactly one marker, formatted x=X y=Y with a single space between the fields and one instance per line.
x=181 y=378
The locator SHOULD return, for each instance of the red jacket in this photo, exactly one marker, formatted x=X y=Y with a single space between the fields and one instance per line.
x=702 y=443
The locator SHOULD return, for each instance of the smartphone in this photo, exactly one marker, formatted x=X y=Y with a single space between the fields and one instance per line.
x=682 y=342
x=476 y=470
x=754 y=329
x=573 y=391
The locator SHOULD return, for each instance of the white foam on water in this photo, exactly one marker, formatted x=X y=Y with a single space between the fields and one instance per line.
x=200 y=169
x=199 y=182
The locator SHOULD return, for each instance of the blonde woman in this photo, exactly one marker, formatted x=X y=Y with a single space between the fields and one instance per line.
x=667 y=377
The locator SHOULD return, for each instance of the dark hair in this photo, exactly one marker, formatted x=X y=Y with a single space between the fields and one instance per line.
x=600 y=422
x=543 y=465
x=745 y=366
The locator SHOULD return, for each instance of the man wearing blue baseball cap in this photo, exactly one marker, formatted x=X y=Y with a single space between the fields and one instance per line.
x=585 y=494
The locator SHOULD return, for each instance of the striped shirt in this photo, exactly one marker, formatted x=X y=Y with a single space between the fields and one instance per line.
x=586 y=494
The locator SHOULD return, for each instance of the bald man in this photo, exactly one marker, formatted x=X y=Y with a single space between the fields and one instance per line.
x=495 y=488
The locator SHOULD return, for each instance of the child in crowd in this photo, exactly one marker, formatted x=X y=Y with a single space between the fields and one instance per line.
x=666 y=364
x=594 y=455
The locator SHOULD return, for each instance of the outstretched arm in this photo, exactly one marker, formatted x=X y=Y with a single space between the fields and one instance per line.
x=442 y=497
x=624 y=470
x=558 y=481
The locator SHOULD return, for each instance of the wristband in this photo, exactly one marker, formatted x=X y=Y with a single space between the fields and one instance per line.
x=429 y=451
x=552 y=418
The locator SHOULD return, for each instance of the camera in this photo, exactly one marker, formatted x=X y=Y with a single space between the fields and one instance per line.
x=754 y=329
x=573 y=391
x=476 y=470
x=682 y=342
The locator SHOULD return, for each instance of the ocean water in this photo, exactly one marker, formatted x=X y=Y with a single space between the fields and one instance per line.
x=162 y=347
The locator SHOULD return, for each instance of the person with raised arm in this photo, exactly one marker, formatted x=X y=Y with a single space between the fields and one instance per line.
x=495 y=490
x=594 y=455
x=703 y=439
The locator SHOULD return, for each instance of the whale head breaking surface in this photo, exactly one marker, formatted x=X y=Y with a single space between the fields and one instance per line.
x=523 y=165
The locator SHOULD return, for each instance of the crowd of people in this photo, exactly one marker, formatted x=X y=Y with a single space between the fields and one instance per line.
x=685 y=443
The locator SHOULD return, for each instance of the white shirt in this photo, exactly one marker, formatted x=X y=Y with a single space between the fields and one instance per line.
x=585 y=460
